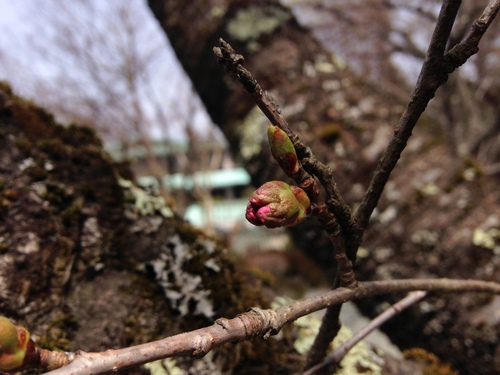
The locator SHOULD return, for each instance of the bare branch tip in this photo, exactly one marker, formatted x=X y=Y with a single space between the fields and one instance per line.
x=217 y=52
x=225 y=45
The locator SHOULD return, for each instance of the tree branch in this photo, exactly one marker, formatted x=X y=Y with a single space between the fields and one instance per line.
x=254 y=323
x=336 y=357
x=434 y=73
x=233 y=64
x=437 y=66
x=334 y=215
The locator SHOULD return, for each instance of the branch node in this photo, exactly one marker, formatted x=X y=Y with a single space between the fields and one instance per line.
x=203 y=345
x=247 y=80
x=224 y=323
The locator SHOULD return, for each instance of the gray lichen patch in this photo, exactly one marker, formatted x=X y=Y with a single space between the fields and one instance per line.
x=144 y=204
x=252 y=22
x=147 y=212
x=30 y=245
x=184 y=291
x=251 y=133
x=6 y=266
x=91 y=244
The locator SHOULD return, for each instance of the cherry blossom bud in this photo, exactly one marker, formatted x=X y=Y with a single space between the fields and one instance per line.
x=13 y=345
x=283 y=150
x=277 y=204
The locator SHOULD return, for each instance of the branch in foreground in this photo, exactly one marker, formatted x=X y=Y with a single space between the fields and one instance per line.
x=254 y=323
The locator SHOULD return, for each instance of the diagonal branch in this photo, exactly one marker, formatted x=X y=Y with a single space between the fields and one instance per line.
x=437 y=66
x=434 y=73
x=336 y=357
x=255 y=323
x=469 y=46
x=233 y=64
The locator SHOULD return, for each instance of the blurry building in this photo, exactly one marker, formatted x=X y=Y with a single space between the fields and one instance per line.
x=205 y=184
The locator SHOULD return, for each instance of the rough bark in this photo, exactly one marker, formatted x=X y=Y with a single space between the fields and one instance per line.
x=435 y=207
x=90 y=262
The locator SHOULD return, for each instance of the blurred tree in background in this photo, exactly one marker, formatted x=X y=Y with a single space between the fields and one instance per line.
x=391 y=37
x=107 y=64
x=342 y=72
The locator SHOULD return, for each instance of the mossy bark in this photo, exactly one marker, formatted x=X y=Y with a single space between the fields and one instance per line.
x=90 y=262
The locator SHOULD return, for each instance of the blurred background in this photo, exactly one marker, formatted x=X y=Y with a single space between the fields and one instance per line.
x=109 y=65
x=342 y=71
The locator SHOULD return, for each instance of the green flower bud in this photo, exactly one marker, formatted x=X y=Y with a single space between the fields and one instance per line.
x=283 y=150
x=277 y=204
x=8 y=334
x=13 y=345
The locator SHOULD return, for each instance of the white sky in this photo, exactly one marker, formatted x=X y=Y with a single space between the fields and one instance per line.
x=171 y=85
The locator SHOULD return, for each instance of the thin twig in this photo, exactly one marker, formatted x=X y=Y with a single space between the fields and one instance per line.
x=469 y=46
x=233 y=63
x=336 y=357
x=256 y=322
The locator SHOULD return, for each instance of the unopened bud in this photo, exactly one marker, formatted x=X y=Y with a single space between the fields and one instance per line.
x=13 y=345
x=277 y=204
x=283 y=150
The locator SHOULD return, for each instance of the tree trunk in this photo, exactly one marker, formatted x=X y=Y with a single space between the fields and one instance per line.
x=335 y=111
x=90 y=262
x=434 y=202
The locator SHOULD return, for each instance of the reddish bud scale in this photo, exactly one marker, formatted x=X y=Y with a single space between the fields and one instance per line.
x=302 y=198
x=288 y=162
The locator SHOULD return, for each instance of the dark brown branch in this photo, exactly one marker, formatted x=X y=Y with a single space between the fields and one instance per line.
x=334 y=216
x=335 y=203
x=255 y=323
x=330 y=326
x=437 y=66
x=330 y=323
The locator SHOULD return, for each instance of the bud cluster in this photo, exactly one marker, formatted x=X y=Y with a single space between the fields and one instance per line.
x=277 y=204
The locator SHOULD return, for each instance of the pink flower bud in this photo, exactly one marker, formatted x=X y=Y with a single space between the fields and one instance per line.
x=277 y=204
x=283 y=150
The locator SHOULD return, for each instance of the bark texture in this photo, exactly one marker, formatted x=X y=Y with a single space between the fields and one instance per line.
x=90 y=262
x=437 y=209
